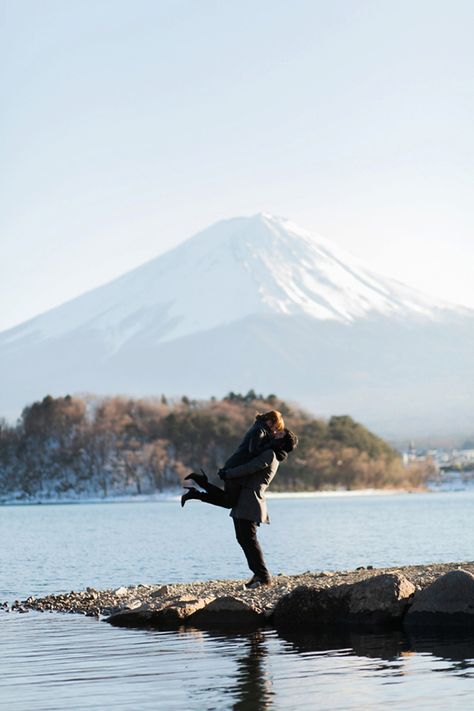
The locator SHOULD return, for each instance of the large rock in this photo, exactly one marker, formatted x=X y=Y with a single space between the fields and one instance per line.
x=170 y=616
x=381 y=599
x=308 y=607
x=227 y=611
x=448 y=601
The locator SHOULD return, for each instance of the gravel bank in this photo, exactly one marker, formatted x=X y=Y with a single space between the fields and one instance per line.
x=102 y=603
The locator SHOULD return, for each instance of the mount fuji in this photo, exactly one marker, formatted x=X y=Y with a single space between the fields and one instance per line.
x=256 y=302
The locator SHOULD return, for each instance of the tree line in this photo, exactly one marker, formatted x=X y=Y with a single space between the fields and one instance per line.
x=87 y=446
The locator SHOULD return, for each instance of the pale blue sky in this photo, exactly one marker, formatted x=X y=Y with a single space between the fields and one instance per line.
x=126 y=126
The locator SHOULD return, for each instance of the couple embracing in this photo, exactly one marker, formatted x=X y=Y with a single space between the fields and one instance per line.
x=246 y=476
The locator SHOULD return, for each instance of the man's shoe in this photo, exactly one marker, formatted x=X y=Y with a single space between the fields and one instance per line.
x=258 y=583
x=200 y=479
x=251 y=581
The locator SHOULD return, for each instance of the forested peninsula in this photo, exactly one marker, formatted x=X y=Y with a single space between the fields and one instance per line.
x=83 y=447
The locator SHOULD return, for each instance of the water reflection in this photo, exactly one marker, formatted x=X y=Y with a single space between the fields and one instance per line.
x=250 y=686
x=398 y=656
x=457 y=648
x=53 y=662
x=454 y=647
x=272 y=669
x=387 y=647
x=253 y=688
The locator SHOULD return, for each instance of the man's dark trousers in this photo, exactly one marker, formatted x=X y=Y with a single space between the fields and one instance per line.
x=246 y=534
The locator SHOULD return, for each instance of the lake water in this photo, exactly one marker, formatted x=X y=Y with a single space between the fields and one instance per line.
x=53 y=661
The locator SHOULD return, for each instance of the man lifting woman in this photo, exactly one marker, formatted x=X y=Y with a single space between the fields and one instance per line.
x=246 y=474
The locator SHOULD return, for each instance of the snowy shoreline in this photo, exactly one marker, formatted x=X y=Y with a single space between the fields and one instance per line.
x=175 y=495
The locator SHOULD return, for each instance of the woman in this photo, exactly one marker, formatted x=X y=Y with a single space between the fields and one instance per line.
x=256 y=439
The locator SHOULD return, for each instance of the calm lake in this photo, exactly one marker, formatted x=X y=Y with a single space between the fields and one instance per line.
x=54 y=661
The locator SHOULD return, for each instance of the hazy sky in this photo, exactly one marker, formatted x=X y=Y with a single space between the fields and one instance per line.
x=127 y=126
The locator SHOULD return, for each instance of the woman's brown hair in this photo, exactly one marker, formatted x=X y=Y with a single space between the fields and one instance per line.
x=275 y=417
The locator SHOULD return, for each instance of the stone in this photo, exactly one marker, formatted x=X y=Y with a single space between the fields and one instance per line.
x=170 y=616
x=131 y=618
x=121 y=592
x=161 y=591
x=309 y=608
x=181 y=610
x=448 y=601
x=227 y=611
x=379 y=599
x=134 y=604
x=184 y=599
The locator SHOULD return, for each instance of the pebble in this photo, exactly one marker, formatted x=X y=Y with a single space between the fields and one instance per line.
x=134 y=604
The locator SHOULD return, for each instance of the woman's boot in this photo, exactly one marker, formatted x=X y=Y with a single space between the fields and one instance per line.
x=200 y=479
x=191 y=493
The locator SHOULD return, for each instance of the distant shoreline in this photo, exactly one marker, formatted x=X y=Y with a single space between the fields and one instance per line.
x=174 y=497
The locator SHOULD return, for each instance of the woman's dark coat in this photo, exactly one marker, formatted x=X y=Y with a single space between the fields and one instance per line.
x=254 y=478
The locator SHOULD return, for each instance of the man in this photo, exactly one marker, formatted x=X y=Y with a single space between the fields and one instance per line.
x=250 y=510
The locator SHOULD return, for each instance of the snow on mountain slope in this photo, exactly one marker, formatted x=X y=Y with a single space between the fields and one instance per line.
x=255 y=302
x=247 y=266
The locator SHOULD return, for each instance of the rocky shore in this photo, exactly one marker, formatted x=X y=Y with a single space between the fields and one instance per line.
x=410 y=595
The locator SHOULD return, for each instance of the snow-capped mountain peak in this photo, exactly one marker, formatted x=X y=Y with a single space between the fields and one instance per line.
x=246 y=266
x=255 y=302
